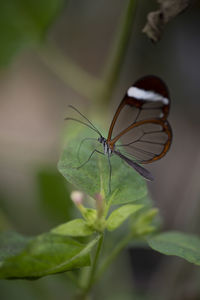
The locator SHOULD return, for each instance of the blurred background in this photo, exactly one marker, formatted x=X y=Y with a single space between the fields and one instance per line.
x=51 y=55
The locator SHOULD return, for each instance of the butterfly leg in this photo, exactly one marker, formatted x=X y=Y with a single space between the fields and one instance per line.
x=110 y=174
x=95 y=150
x=79 y=148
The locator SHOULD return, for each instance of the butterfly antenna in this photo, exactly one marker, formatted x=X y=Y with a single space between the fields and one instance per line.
x=74 y=108
x=79 y=121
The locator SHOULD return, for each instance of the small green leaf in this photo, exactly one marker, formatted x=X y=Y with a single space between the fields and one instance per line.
x=43 y=255
x=77 y=227
x=148 y=216
x=90 y=215
x=93 y=178
x=119 y=215
x=145 y=223
x=178 y=244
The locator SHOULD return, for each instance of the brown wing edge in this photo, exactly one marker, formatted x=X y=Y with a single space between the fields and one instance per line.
x=154 y=83
x=166 y=128
x=120 y=107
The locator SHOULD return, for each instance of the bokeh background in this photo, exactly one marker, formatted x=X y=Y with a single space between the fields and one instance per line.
x=34 y=98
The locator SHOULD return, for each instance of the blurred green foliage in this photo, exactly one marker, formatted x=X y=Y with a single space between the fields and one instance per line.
x=43 y=255
x=24 y=22
x=54 y=195
x=176 y=243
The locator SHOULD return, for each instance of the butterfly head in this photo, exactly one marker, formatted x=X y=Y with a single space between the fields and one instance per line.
x=101 y=140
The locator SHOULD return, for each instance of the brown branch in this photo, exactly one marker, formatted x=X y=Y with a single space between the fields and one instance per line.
x=157 y=20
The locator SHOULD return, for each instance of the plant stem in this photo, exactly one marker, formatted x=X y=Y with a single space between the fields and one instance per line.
x=68 y=71
x=94 y=267
x=119 y=47
x=114 y=254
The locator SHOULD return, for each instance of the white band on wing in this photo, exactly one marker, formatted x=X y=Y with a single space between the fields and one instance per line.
x=140 y=94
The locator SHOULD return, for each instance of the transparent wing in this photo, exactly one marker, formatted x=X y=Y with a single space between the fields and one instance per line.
x=140 y=126
x=147 y=142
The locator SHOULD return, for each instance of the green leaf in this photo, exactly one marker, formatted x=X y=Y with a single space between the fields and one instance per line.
x=90 y=215
x=24 y=22
x=145 y=223
x=54 y=195
x=119 y=215
x=44 y=255
x=126 y=184
x=77 y=227
x=11 y=243
x=177 y=243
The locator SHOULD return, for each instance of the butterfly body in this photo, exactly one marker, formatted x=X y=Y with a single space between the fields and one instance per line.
x=106 y=148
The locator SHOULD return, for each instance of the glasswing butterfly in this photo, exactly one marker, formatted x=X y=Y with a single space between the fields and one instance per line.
x=139 y=132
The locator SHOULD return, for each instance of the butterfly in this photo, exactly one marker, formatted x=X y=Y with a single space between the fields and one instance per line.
x=139 y=132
